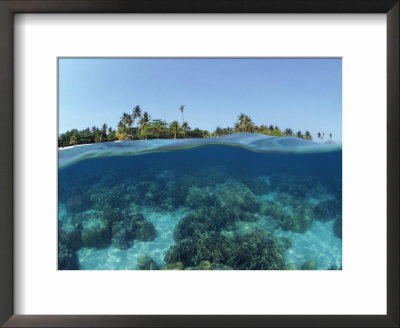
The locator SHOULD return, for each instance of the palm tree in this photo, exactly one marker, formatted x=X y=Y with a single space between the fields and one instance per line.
x=271 y=127
x=330 y=136
x=218 y=131
x=245 y=122
x=145 y=122
x=121 y=131
x=319 y=135
x=109 y=130
x=73 y=140
x=185 y=127
x=299 y=134
x=237 y=127
x=98 y=138
x=242 y=119
x=127 y=120
x=174 y=126
x=158 y=126
x=288 y=132
x=182 y=109
x=137 y=113
x=104 y=130
x=251 y=127
x=308 y=135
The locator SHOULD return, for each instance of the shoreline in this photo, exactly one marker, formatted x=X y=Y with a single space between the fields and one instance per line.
x=87 y=144
x=93 y=143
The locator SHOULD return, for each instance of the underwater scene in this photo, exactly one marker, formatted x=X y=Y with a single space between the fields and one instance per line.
x=238 y=202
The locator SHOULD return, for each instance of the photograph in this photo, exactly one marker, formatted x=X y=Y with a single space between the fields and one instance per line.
x=193 y=163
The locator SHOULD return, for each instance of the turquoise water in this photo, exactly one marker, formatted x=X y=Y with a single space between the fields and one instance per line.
x=241 y=202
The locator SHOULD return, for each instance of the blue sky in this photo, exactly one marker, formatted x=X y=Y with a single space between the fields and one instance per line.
x=302 y=94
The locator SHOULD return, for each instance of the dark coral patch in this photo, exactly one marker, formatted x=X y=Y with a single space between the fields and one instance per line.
x=255 y=251
x=67 y=258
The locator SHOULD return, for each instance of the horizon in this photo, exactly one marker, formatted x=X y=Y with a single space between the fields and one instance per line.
x=301 y=94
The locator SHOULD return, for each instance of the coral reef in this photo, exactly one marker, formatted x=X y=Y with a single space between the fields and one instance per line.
x=292 y=266
x=109 y=197
x=199 y=221
x=224 y=217
x=309 y=265
x=255 y=251
x=199 y=197
x=283 y=244
x=173 y=266
x=122 y=237
x=298 y=187
x=208 y=219
x=204 y=265
x=293 y=214
x=77 y=202
x=233 y=195
x=258 y=186
x=126 y=228
x=72 y=240
x=143 y=230
x=96 y=232
x=220 y=266
x=247 y=217
x=145 y=262
x=67 y=258
x=328 y=210
x=337 y=227
x=149 y=191
x=121 y=228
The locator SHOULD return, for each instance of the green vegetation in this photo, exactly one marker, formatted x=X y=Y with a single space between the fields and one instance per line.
x=140 y=125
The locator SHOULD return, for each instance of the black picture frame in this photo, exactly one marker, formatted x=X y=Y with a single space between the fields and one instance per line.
x=10 y=7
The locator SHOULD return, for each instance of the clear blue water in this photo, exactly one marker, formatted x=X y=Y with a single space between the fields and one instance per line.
x=244 y=202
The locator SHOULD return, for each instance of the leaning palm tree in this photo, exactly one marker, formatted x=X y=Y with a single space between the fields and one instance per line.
x=182 y=108
x=145 y=122
x=174 y=126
